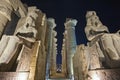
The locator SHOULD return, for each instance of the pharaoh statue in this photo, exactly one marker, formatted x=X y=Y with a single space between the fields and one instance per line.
x=109 y=42
x=94 y=27
x=27 y=30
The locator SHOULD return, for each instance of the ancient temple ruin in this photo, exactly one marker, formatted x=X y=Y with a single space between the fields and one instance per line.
x=28 y=47
x=99 y=59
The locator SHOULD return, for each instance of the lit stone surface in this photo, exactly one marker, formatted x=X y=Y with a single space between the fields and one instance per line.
x=70 y=44
x=100 y=52
x=28 y=28
x=30 y=54
x=18 y=6
x=100 y=59
x=81 y=62
x=51 y=57
x=6 y=9
x=109 y=42
x=25 y=59
x=94 y=27
x=33 y=64
x=3 y=22
x=31 y=60
x=94 y=58
x=5 y=56
x=14 y=75
x=105 y=74
x=3 y=43
x=64 y=56
x=10 y=50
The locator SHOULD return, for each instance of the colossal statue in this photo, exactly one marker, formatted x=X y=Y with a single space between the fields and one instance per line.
x=108 y=42
x=28 y=30
x=94 y=27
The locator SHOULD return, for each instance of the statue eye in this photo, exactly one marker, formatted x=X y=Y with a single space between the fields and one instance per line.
x=96 y=23
x=27 y=25
x=119 y=32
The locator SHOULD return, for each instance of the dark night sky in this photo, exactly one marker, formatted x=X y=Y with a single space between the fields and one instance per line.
x=108 y=12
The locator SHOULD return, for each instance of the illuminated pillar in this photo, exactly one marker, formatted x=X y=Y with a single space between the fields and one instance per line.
x=51 y=25
x=54 y=51
x=53 y=54
x=64 y=59
x=70 y=44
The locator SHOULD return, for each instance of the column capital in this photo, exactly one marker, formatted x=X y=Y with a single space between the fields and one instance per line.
x=51 y=23
x=70 y=23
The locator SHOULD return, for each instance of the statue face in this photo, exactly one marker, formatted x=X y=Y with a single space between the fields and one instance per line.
x=90 y=13
x=30 y=21
x=33 y=14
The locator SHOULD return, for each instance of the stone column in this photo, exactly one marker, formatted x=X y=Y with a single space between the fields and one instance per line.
x=41 y=26
x=51 y=25
x=53 y=54
x=71 y=44
x=54 y=51
x=64 y=60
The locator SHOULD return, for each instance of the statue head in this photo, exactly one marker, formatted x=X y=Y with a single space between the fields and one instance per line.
x=33 y=14
x=30 y=21
x=90 y=13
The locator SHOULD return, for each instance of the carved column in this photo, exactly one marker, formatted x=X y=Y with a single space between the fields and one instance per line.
x=51 y=25
x=64 y=58
x=71 y=44
x=53 y=54
x=41 y=26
